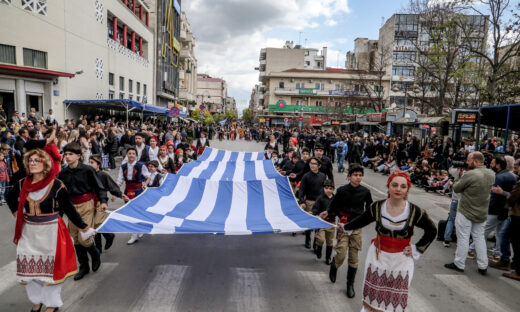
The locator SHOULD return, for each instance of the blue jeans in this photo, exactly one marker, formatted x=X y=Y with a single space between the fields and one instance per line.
x=341 y=160
x=451 y=220
x=505 y=240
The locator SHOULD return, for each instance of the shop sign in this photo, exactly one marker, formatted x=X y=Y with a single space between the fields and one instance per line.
x=307 y=91
x=335 y=122
x=467 y=117
x=281 y=103
x=316 y=120
x=261 y=119
x=425 y=126
x=377 y=117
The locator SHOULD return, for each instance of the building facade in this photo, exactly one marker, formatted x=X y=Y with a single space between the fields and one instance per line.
x=231 y=105
x=168 y=48
x=99 y=50
x=364 y=55
x=212 y=93
x=322 y=94
x=188 y=68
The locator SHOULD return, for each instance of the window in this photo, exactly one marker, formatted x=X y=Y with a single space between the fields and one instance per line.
x=300 y=85
x=130 y=97
x=35 y=6
x=130 y=85
x=138 y=98
x=110 y=95
x=337 y=104
x=356 y=88
x=339 y=86
x=299 y=102
x=138 y=87
x=34 y=58
x=111 y=79
x=308 y=63
x=318 y=103
x=379 y=89
x=7 y=54
x=281 y=85
x=144 y=90
x=403 y=71
x=121 y=95
x=403 y=42
x=121 y=83
x=319 y=86
x=403 y=56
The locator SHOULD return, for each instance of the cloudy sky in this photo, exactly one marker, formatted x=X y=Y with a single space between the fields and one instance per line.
x=230 y=33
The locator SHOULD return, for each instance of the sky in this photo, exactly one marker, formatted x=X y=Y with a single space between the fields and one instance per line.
x=230 y=33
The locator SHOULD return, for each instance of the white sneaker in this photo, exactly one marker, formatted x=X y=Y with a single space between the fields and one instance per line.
x=133 y=239
x=140 y=235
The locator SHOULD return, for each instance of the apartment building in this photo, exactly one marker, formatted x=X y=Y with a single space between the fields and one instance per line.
x=52 y=51
x=188 y=66
x=364 y=55
x=212 y=93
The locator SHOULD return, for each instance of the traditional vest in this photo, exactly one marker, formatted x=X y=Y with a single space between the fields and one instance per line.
x=137 y=176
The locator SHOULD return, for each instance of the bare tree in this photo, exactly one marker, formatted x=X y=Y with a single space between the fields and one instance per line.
x=372 y=81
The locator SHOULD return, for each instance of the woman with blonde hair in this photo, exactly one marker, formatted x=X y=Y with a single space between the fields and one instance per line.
x=389 y=265
x=37 y=202
x=73 y=136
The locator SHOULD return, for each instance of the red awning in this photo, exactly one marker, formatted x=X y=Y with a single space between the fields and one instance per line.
x=32 y=72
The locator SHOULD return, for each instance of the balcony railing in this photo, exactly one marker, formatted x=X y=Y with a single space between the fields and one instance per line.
x=318 y=92
x=321 y=109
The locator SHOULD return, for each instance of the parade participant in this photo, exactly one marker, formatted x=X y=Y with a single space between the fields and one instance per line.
x=272 y=143
x=351 y=200
x=171 y=150
x=37 y=202
x=310 y=188
x=202 y=143
x=153 y=150
x=326 y=164
x=165 y=162
x=299 y=168
x=86 y=190
x=391 y=254
x=136 y=176
x=269 y=152
x=155 y=177
x=111 y=186
x=179 y=159
x=321 y=205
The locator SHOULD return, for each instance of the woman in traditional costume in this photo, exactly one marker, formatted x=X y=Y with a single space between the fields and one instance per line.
x=389 y=265
x=45 y=255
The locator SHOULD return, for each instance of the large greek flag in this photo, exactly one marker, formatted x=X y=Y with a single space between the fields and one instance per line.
x=225 y=194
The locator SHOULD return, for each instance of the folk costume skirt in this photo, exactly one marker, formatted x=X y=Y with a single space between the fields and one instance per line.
x=387 y=279
x=45 y=251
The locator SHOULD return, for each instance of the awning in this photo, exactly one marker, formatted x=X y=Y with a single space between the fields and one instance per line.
x=405 y=121
x=431 y=120
x=32 y=72
x=121 y=103
x=369 y=123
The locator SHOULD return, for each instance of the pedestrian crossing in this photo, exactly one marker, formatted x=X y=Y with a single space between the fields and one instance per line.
x=248 y=289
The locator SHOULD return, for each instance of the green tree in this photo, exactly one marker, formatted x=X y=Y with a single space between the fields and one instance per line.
x=247 y=115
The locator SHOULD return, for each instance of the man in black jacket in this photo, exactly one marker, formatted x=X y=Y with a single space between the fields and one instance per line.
x=322 y=204
x=350 y=201
x=326 y=164
x=310 y=188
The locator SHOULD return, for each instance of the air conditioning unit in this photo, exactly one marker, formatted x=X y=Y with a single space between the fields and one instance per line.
x=292 y=79
x=310 y=80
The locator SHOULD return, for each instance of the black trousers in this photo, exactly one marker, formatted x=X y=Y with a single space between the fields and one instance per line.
x=514 y=230
x=111 y=160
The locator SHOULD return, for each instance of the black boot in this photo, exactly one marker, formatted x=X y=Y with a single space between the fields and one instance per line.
x=351 y=276
x=314 y=246
x=98 y=242
x=333 y=271
x=319 y=250
x=109 y=239
x=96 y=260
x=81 y=253
x=308 y=239
x=328 y=253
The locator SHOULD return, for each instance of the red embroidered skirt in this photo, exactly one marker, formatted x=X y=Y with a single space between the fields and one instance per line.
x=45 y=251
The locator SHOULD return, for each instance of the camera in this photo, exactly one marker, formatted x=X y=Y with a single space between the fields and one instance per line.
x=458 y=164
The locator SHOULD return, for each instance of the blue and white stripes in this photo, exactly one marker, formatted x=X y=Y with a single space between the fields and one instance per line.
x=232 y=197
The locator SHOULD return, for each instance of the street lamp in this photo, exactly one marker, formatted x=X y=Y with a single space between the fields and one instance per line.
x=405 y=89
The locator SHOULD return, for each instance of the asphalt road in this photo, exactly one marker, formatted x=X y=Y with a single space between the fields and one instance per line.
x=269 y=272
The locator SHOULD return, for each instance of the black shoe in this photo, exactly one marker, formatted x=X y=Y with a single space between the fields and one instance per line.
x=81 y=253
x=109 y=239
x=452 y=266
x=351 y=276
x=328 y=253
x=314 y=246
x=308 y=239
x=96 y=260
x=482 y=271
x=319 y=251
x=333 y=271
x=98 y=242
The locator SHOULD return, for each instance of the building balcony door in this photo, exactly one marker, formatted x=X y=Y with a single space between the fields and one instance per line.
x=36 y=102
x=7 y=104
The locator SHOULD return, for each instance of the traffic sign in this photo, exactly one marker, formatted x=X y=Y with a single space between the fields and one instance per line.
x=174 y=111
x=201 y=107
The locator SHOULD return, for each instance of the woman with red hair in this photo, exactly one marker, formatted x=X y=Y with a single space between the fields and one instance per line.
x=389 y=264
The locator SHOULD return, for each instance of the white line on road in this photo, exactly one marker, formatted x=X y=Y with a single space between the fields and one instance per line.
x=247 y=293
x=373 y=188
x=75 y=292
x=330 y=298
x=416 y=302
x=462 y=285
x=162 y=291
x=7 y=276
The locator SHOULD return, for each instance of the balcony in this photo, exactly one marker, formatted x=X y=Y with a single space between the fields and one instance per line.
x=262 y=62
x=316 y=92
x=185 y=54
x=183 y=35
x=181 y=74
x=320 y=109
x=262 y=54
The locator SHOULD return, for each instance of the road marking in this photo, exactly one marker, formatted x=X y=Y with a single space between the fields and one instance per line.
x=75 y=292
x=8 y=276
x=462 y=285
x=417 y=302
x=162 y=291
x=247 y=293
x=330 y=299
x=373 y=188
x=515 y=284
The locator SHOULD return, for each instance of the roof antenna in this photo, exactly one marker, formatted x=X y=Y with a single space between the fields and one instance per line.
x=300 y=39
